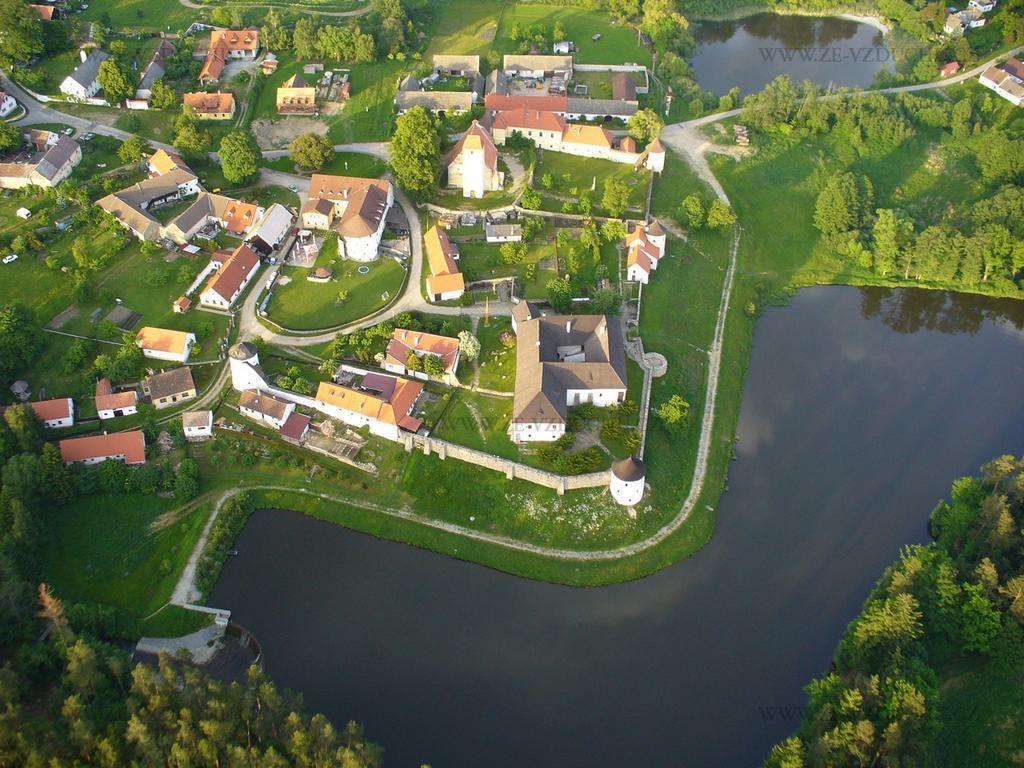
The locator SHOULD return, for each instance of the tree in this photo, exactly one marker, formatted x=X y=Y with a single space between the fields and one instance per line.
x=186 y=481
x=668 y=28
x=188 y=137
x=433 y=366
x=414 y=151
x=21 y=33
x=132 y=150
x=304 y=38
x=311 y=151
x=162 y=95
x=616 y=197
x=559 y=291
x=530 y=199
x=1000 y=158
x=693 y=210
x=10 y=137
x=674 y=411
x=842 y=204
x=56 y=477
x=512 y=252
x=720 y=215
x=892 y=235
x=239 y=157
x=413 y=362
x=20 y=340
x=980 y=622
x=645 y=125
x=613 y=230
x=469 y=346
x=117 y=81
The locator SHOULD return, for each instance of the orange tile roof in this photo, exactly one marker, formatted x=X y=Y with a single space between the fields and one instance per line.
x=108 y=400
x=498 y=102
x=162 y=340
x=446 y=283
x=163 y=162
x=405 y=341
x=440 y=252
x=239 y=216
x=247 y=39
x=210 y=103
x=390 y=407
x=48 y=410
x=233 y=272
x=132 y=445
x=530 y=119
x=593 y=135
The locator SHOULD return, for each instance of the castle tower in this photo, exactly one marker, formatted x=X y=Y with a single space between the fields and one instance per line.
x=627 y=481
x=245 y=367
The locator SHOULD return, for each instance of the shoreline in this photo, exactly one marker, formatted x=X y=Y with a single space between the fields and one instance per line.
x=876 y=22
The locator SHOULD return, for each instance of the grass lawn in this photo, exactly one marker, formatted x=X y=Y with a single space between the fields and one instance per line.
x=108 y=551
x=464 y=26
x=139 y=14
x=572 y=176
x=497 y=363
x=302 y=305
x=369 y=115
x=342 y=164
x=480 y=260
x=98 y=151
x=57 y=67
x=479 y=421
x=618 y=43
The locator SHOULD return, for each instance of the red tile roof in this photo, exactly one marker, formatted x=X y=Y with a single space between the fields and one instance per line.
x=497 y=102
x=131 y=445
x=233 y=272
x=530 y=119
x=49 y=410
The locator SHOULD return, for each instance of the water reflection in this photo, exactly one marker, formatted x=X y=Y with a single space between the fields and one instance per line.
x=911 y=310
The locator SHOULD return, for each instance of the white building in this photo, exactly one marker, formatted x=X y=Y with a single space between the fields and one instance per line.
x=627 y=481
x=983 y=5
x=384 y=404
x=355 y=208
x=263 y=406
x=7 y=104
x=111 y=404
x=231 y=278
x=197 y=425
x=165 y=344
x=55 y=414
x=503 y=233
x=128 y=447
x=84 y=82
x=474 y=163
x=645 y=248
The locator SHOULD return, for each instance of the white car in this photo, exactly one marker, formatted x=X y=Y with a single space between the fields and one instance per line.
x=293 y=188
x=68 y=131
x=9 y=259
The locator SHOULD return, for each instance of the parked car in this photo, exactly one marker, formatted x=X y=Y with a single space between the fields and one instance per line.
x=293 y=188
x=9 y=259
x=68 y=131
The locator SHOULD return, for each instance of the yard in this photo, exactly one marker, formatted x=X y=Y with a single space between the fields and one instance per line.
x=482 y=261
x=571 y=177
x=464 y=26
x=342 y=164
x=495 y=368
x=302 y=305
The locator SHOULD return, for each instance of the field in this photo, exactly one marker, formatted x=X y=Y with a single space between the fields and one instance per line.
x=572 y=177
x=464 y=26
x=369 y=115
x=303 y=305
x=342 y=164
x=481 y=261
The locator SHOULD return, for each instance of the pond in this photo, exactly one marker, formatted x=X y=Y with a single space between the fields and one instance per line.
x=860 y=408
x=752 y=51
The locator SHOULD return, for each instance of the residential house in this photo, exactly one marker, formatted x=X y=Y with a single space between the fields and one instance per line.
x=497 y=102
x=55 y=159
x=562 y=361
x=231 y=278
x=295 y=428
x=587 y=141
x=55 y=414
x=1006 y=80
x=211 y=106
x=503 y=233
x=271 y=230
x=154 y=71
x=236 y=216
x=127 y=447
x=961 y=21
x=355 y=208
x=445 y=282
x=111 y=404
x=949 y=69
x=545 y=129
x=225 y=44
x=474 y=163
x=421 y=345
x=164 y=344
x=162 y=161
x=984 y=6
x=169 y=387
x=131 y=205
x=83 y=82
x=296 y=97
x=537 y=67
x=382 y=403
x=263 y=406
x=645 y=247
x=197 y=425
x=7 y=104
x=435 y=102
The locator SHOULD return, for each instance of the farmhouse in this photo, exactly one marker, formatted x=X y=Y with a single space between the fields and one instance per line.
x=131 y=205
x=84 y=82
x=55 y=159
x=55 y=414
x=1007 y=80
x=264 y=407
x=645 y=247
x=445 y=282
x=164 y=344
x=296 y=97
x=197 y=425
x=211 y=106
x=162 y=161
x=435 y=102
x=166 y=388
x=474 y=163
x=154 y=71
x=545 y=129
x=537 y=67
x=227 y=44
x=983 y=5
x=111 y=404
x=961 y=21
x=231 y=278
x=562 y=361
x=382 y=403
x=404 y=343
x=355 y=208
x=271 y=229
x=457 y=65
x=128 y=447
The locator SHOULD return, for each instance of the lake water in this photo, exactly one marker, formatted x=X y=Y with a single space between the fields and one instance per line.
x=752 y=51
x=860 y=408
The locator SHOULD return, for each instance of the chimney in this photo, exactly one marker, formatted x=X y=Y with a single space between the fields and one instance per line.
x=568 y=326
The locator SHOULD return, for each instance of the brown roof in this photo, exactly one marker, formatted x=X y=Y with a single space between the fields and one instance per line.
x=478 y=137
x=162 y=339
x=48 y=410
x=367 y=201
x=210 y=103
x=404 y=341
x=629 y=469
x=45 y=11
x=385 y=398
x=107 y=399
x=543 y=378
x=1015 y=68
x=530 y=119
x=295 y=426
x=222 y=42
x=263 y=402
x=171 y=382
x=132 y=445
x=233 y=272
x=197 y=419
x=623 y=87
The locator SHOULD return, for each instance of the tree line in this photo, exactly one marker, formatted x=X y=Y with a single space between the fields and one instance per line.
x=959 y=597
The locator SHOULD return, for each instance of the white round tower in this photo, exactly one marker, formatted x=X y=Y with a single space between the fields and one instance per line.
x=627 y=481
x=245 y=367
x=657 y=235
